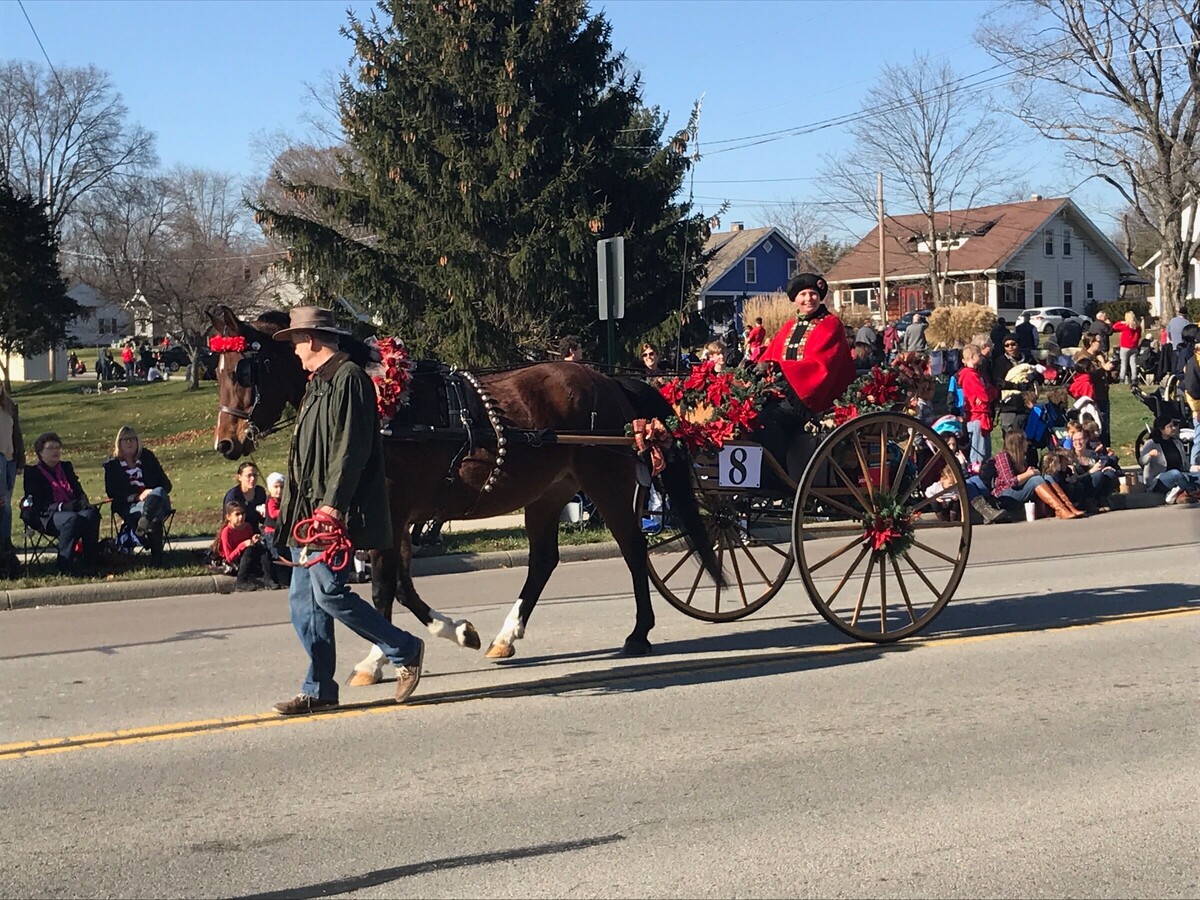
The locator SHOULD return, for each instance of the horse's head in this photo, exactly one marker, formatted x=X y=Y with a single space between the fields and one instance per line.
x=257 y=377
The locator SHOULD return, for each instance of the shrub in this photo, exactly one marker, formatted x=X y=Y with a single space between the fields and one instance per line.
x=773 y=309
x=1116 y=309
x=954 y=326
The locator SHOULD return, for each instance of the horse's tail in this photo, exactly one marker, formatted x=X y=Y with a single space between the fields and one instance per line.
x=676 y=478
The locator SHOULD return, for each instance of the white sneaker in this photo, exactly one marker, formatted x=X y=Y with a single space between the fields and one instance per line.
x=1172 y=494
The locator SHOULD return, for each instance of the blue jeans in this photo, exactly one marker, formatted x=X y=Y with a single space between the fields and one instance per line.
x=156 y=507
x=10 y=479
x=317 y=596
x=980 y=443
x=1017 y=496
x=1195 y=443
x=1173 y=478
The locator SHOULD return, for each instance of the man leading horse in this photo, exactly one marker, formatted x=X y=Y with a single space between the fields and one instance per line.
x=336 y=487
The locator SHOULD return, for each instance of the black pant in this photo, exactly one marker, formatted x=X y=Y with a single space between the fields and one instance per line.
x=254 y=559
x=70 y=527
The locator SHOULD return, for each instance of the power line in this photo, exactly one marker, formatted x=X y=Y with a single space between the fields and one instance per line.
x=53 y=71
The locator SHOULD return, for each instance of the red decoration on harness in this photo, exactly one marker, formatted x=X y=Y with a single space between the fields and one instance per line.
x=218 y=343
x=652 y=435
x=391 y=377
x=323 y=532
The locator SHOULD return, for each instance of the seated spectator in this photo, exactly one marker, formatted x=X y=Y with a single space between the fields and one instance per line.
x=275 y=547
x=139 y=489
x=154 y=373
x=714 y=352
x=250 y=494
x=242 y=547
x=650 y=359
x=1013 y=483
x=861 y=352
x=570 y=349
x=1163 y=462
x=55 y=504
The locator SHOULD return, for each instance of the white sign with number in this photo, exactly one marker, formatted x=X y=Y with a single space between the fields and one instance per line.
x=740 y=466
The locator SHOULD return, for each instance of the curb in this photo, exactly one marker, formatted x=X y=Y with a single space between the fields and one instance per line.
x=110 y=591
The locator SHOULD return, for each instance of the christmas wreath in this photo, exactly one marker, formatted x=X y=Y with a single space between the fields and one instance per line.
x=713 y=407
x=891 y=528
x=889 y=387
x=391 y=376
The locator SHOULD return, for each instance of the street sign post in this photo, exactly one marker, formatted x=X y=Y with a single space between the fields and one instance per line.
x=610 y=272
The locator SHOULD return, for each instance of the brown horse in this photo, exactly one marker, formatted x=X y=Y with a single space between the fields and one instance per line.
x=449 y=478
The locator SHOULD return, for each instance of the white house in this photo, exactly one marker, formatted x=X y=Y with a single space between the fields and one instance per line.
x=1192 y=276
x=1009 y=256
x=100 y=320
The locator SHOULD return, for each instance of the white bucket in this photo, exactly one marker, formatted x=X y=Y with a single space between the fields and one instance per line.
x=572 y=512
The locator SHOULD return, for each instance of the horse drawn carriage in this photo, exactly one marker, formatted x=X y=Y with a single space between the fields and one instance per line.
x=878 y=527
x=878 y=523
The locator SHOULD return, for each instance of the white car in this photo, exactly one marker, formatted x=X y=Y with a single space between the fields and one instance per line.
x=1046 y=318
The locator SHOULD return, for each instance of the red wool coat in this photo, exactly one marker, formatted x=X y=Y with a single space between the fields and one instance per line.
x=819 y=367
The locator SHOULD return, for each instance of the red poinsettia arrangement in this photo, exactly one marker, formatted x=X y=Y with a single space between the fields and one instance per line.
x=391 y=376
x=714 y=407
x=890 y=527
x=887 y=387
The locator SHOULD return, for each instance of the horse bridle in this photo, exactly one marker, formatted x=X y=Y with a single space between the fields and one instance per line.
x=248 y=378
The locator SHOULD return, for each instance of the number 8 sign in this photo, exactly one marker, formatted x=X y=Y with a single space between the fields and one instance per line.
x=740 y=466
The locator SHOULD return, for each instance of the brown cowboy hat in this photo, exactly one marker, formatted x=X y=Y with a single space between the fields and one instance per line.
x=309 y=318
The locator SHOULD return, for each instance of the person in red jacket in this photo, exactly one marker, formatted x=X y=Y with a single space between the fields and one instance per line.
x=979 y=400
x=811 y=350
x=1131 y=337
x=814 y=356
x=242 y=546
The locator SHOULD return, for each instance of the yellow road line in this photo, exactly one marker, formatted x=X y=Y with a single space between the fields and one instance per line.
x=176 y=730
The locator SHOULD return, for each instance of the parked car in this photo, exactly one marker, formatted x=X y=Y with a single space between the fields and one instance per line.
x=1046 y=318
x=905 y=320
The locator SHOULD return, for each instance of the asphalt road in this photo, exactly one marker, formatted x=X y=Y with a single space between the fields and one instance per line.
x=1040 y=741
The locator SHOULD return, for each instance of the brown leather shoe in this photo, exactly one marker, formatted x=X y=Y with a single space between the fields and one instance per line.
x=409 y=676
x=302 y=705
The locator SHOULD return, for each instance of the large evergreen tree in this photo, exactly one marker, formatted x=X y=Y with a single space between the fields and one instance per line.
x=35 y=310
x=489 y=144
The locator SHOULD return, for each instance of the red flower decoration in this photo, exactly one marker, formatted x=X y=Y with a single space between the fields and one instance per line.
x=219 y=343
x=714 y=407
x=391 y=377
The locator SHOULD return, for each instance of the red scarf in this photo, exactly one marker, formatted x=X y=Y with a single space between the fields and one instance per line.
x=60 y=485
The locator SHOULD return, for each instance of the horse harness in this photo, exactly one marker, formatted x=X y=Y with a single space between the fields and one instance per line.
x=245 y=375
x=464 y=406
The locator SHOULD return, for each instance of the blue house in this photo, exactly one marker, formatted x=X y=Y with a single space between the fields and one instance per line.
x=746 y=263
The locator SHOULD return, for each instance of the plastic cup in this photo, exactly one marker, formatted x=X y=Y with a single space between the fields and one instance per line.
x=1030 y=511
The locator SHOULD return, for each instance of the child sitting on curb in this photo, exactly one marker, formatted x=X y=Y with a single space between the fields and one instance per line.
x=242 y=546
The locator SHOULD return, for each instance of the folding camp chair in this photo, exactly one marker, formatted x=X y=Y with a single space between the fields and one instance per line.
x=124 y=533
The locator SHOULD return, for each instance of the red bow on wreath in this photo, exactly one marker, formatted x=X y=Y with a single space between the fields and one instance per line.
x=220 y=344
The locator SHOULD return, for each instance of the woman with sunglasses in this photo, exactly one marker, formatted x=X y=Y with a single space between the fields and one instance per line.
x=654 y=365
x=139 y=489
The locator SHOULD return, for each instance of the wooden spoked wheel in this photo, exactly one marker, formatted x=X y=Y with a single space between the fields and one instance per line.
x=750 y=532
x=881 y=546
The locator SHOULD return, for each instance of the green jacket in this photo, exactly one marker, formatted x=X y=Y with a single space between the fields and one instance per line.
x=336 y=458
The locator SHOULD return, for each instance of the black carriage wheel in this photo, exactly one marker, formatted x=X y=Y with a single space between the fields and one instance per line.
x=887 y=594
x=750 y=533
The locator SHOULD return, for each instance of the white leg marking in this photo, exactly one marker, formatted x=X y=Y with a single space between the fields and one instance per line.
x=442 y=626
x=513 y=628
x=373 y=664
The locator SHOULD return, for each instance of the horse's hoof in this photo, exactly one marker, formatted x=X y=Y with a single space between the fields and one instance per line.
x=468 y=637
x=364 y=679
x=499 y=651
x=636 y=648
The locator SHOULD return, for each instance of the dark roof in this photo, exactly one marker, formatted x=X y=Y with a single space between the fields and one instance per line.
x=994 y=233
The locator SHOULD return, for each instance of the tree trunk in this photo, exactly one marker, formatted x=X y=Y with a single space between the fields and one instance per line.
x=194 y=369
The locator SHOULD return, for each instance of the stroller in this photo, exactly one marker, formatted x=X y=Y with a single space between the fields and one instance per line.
x=1164 y=401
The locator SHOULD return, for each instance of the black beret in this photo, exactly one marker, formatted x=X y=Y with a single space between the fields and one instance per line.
x=807 y=281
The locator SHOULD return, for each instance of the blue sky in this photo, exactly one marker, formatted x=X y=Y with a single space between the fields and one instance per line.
x=208 y=75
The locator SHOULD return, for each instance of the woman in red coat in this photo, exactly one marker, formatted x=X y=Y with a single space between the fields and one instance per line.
x=812 y=353
x=979 y=400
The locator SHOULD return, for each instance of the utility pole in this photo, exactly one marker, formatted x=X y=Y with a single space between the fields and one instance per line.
x=882 y=252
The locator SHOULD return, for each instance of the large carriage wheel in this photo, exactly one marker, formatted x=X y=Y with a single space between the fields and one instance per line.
x=750 y=532
x=850 y=500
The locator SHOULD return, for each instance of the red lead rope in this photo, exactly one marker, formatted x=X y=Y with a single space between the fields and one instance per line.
x=324 y=533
